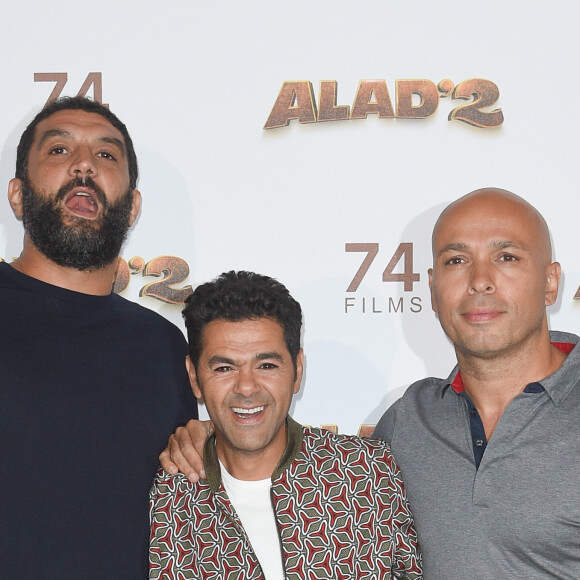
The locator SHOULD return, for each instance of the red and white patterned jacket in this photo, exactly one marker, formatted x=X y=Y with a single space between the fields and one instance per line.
x=340 y=506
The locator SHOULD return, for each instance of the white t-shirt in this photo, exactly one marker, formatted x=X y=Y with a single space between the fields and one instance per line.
x=252 y=502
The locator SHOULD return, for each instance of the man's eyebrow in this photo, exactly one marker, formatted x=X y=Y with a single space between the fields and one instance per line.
x=269 y=355
x=221 y=359
x=457 y=247
x=114 y=141
x=52 y=133
x=503 y=244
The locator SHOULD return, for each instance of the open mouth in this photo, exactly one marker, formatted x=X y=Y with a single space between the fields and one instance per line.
x=82 y=202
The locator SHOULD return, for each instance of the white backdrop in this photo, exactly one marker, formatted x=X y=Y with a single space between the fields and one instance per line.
x=196 y=82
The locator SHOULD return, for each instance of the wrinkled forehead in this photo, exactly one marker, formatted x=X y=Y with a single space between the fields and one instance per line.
x=77 y=123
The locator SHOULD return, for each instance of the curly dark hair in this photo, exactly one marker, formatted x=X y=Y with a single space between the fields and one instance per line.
x=74 y=103
x=242 y=295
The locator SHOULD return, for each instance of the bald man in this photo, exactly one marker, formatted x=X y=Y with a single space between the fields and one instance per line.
x=489 y=454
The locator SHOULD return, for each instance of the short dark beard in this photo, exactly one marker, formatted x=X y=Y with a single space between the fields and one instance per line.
x=82 y=244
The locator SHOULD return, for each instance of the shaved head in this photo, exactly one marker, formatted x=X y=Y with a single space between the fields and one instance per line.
x=501 y=203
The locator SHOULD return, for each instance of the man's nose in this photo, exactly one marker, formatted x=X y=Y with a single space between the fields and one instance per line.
x=246 y=384
x=83 y=163
x=481 y=280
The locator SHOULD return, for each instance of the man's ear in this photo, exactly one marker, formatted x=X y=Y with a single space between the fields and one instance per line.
x=433 y=304
x=553 y=273
x=299 y=370
x=193 y=378
x=135 y=207
x=15 y=196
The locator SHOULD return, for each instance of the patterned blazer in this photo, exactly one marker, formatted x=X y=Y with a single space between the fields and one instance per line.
x=340 y=506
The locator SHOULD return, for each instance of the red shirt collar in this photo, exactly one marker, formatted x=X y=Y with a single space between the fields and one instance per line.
x=457 y=383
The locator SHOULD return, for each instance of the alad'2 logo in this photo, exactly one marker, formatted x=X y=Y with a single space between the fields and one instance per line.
x=414 y=99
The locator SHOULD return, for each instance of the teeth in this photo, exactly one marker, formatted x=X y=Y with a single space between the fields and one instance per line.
x=241 y=411
x=83 y=194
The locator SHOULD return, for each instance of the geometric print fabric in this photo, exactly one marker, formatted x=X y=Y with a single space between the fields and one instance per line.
x=339 y=503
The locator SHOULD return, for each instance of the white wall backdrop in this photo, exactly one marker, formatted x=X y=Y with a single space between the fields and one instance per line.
x=196 y=82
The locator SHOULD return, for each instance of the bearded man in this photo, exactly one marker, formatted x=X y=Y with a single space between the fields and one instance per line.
x=92 y=384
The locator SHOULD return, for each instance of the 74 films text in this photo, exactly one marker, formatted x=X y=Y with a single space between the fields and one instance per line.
x=381 y=305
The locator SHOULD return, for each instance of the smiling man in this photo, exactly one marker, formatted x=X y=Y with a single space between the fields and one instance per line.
x=92 y=384
x=280 y=500
x=489 y=454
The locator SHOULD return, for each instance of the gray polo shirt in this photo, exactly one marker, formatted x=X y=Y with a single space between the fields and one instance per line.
x=518 y=515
